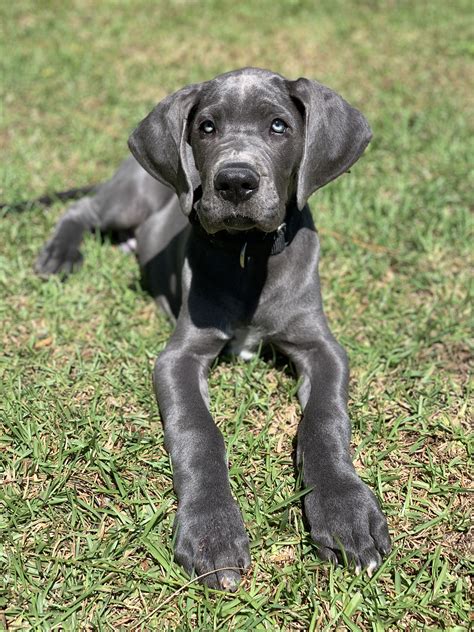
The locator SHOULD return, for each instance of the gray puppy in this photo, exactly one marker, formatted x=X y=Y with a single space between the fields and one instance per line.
x=239 y=156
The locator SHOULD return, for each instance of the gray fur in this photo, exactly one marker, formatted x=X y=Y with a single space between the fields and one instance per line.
x=193 y=271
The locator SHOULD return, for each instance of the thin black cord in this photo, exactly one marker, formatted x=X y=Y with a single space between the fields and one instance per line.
x=47 y=200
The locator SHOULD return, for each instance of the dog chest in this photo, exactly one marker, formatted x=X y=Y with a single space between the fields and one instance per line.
x=245 y=342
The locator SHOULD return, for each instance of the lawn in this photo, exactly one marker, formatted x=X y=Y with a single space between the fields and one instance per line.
x=86 y=499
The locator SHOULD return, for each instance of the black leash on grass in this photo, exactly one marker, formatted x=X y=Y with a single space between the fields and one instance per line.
x=47 y=200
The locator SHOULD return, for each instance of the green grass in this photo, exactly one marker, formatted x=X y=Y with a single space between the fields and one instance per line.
x=86 y=498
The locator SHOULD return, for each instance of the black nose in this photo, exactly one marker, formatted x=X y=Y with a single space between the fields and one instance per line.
x=236 y=182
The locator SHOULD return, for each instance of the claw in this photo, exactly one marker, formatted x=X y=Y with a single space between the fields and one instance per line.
x=229 y=581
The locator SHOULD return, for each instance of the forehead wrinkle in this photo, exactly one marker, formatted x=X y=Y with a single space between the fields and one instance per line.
x=235 y=99
x=241 y=85
x=245 y=98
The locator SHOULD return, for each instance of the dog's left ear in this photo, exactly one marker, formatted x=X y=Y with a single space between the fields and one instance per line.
x=159 y=144
x=336 y=135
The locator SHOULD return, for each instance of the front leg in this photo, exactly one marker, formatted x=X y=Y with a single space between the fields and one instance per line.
x=209 y=529
x=344 y=515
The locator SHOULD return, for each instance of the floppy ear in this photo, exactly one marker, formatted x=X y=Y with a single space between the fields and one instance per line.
x=336 y=135
x=159 y=144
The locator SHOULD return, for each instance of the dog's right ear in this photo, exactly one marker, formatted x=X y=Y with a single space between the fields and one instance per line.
x=159 y=144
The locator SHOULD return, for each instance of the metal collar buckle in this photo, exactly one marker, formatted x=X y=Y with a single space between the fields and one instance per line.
x=242 y=257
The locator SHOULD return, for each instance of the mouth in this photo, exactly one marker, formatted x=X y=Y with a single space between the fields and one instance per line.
x=239 y=223
x=235 y=223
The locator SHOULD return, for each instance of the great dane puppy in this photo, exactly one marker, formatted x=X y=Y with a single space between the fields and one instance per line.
x=239 y=156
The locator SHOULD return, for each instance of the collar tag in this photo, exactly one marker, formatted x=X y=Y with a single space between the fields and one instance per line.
x=242 y=256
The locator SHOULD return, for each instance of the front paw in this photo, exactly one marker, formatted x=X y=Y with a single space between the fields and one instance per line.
x=211 y=536
x=347 y=523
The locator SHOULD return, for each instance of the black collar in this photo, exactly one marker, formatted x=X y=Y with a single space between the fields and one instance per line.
x=251 y=243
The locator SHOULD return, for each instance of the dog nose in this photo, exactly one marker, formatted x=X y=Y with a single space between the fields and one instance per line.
x=236 y=182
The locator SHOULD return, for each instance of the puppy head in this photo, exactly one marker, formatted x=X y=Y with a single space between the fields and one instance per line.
x=246 y=143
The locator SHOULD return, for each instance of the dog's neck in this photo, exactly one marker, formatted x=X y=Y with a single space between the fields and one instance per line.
x=252 y=243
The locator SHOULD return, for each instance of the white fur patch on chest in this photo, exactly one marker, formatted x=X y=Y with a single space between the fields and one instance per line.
x=245 y=342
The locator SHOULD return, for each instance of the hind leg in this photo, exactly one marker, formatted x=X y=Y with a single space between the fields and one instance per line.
x=121 y=204
x=61 y=254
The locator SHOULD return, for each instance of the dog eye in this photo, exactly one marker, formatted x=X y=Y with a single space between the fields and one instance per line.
x=207 y=127
x=278 y=126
